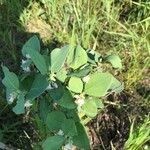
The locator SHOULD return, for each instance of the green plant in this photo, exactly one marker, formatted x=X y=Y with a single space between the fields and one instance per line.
x=139 y=137
x=60 y=86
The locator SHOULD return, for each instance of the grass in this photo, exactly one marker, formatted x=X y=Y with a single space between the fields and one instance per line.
x=139 y=137
x=110 y=26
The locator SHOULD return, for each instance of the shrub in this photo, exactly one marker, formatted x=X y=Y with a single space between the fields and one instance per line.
x=61 y=85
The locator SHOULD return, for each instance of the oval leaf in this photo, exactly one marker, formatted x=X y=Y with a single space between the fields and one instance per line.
x=114 y=60
x=77 y=57
x=39 y=85
x=19 y=108
x=90 y=108
x=10 y=80
x=58 y=57
x=75 y=85
x=33 y=43
x=81 y=140
x=53 y=143
x=99 y=84
x=38 y=60
x=69 y=127
x=54 y=120
x=67 y=101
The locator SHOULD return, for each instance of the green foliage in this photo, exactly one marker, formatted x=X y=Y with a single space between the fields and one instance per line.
x=54 y=120
x=11 y=80
x=19 y=108
x=114 y=60
x=38 y=60
x=53 y=143
x=99 y=84
x=67 y=101
x=39 y=85
x=139 y=136
x=77 y=57
x=75 y=85
x=81 y=140
x=90 y=108
x=62 y=85
x=32 y=44
x=69 y=127
x=58 y=57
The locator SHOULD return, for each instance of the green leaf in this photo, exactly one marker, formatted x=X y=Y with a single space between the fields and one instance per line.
x=75 y=85
x=54 y=120
x=32 y=44
x=114 y=60
x=99 y=84
x=58 y=57
x=38 y=87
x=44 y=109
x=116 y=86
x=10 y=80
x=90 y=108
x=69 y=127
x=81 y=140
x=38 y=60
x=80 y=73
x=19 y=108
x=67 y=101
x=93 y=56
x=57 y=93
x=53 y=143
x=77 y=57
x=98 y=102
x=61 y=75
x=26 y=82
x=11 y=93
x=26 y=64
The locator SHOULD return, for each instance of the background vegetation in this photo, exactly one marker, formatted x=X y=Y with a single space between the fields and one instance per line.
x=112 y=26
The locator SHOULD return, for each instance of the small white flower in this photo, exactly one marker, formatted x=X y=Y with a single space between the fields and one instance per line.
x=28 y=56
x=11 y=97
x=52 y=77
x=26 y=69
x=146 y=147
x=27 y=104
x=77 y=96
x=79 y=100
x=68 y=146
x=51 y=86
x=23 y=62
x=86 y=79
x=60 y=132
x=24 y=66
x=54 y=85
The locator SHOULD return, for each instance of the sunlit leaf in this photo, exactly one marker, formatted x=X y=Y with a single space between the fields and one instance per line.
x=114 y=60
x=90 y=108
x=77 y=57
x=75 y=84
x=58 y=57
x=99 y=84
